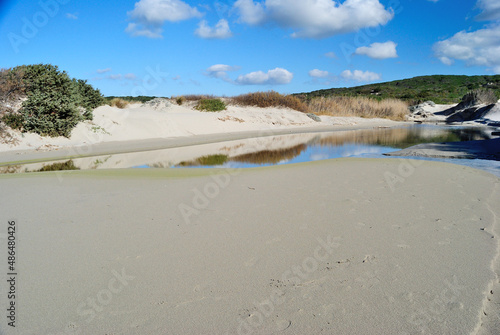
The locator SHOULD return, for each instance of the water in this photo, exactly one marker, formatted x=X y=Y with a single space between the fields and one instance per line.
x=277 y=150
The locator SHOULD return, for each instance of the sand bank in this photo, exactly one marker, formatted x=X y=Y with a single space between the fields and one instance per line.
x=484 y=149
x=349 y=246
x=140 y=128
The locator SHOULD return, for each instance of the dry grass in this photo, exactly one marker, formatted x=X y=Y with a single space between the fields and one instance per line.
x=119 y=102
x=393 y=109
x=270 y=99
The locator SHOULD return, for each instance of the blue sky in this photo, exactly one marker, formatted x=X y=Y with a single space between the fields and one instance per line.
x=228 y=47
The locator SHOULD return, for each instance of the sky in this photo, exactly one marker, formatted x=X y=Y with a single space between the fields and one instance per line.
x=227 y=47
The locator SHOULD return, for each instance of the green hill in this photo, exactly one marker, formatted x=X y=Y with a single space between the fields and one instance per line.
x=441 y=89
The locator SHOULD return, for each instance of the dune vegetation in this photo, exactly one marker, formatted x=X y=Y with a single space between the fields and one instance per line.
x=44 y=100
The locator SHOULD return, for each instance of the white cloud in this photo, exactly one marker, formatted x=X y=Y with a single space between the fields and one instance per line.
x=331 y=54
x=136 y=30
x=379 y=50
x=220 y=31
x=318 y=73
x=72 y=16
x=491 y=10
x=315 y=18
x=104 y=70
x=148 y=16
x=277 y=76
x=128 y=76
x=250 y=12
x=477 y=48
x=360 y=76
x=220 y=71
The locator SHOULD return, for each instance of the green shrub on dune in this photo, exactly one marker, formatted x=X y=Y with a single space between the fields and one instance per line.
x=54 y=103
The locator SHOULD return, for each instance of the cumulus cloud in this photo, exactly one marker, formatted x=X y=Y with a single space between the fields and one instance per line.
x=148 y=16
x=315 y=18
x=360 y=76
x=277 y=76
x=490 y=8
x=379 y=50
x=318 y=73
x=250 y=12
x=220 y=31
x=220 y=71
x=477 y=48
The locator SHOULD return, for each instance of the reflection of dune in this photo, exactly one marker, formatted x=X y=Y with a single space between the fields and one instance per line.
x=270 y=156
x=400 y=137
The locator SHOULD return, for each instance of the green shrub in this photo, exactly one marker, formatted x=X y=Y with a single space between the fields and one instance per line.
x=15 y=121
x=55 y=103
x=211 y=105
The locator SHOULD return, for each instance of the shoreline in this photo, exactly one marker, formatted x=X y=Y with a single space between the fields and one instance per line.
x=117 y=147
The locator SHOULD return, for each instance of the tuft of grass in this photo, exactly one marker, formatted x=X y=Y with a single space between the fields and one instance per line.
x=270 y=99
x=211 y=105
x=68 y=165
x=119 y=102
x=180 y=100
x=392 y=109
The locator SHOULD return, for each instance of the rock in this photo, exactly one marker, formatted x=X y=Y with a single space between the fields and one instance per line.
x=314 y=117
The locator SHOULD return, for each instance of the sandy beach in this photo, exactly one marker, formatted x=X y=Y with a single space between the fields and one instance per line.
x=349 y=246
x=342 y=246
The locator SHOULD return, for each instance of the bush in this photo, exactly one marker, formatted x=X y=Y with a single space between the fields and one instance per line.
x=270 y=99
x=119 y=102
x=180 y=100
x=15 y=121
x=211 y=105
x=55 y=103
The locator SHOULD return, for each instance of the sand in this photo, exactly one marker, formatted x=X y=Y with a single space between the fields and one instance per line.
x=347 y=246
x=143 y=127
x=482 y=149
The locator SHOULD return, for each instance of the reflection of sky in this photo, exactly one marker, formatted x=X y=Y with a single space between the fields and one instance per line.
x=317 y=152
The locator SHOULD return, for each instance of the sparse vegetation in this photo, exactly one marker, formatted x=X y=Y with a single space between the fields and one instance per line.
x=180 y=100
x=270 y=99
x=64 y=166
x=119 y=102
x=211 y=105
x=130 y=99
x=359 y=106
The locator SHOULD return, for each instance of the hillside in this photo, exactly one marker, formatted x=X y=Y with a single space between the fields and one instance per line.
x=443 y=89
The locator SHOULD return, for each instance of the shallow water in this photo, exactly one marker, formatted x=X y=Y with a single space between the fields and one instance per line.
x=276 y=150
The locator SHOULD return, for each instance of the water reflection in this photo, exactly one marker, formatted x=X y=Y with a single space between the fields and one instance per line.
x=270 y=150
